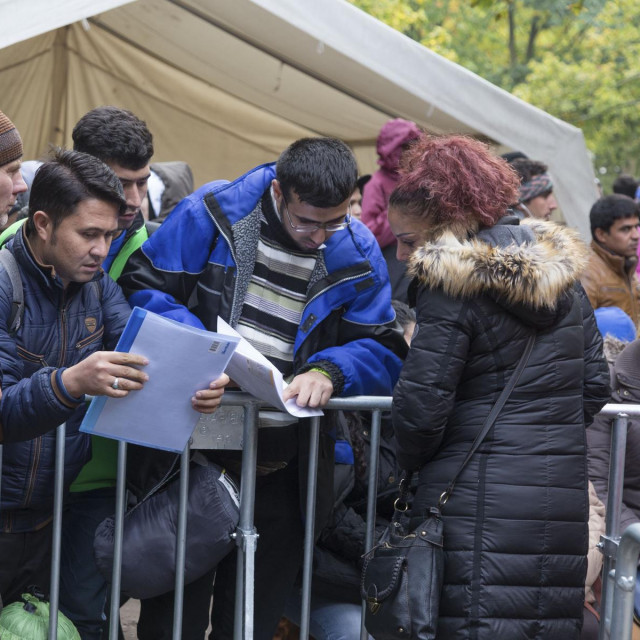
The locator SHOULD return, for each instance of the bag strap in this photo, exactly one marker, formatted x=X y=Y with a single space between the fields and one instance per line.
x=491 y=418
x=10 y=265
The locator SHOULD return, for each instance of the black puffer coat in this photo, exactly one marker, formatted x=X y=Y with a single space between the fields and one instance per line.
x=516 y=525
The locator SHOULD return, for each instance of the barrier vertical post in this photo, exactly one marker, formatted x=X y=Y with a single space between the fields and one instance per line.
x=625 y=582
x=310 y=521
x=372 y=495
x=114 y=616
x=181 y=542
x=612 y=518
x=246 y=535
x=54 y=591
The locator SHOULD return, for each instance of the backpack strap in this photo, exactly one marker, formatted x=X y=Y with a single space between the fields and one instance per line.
x=10 y=265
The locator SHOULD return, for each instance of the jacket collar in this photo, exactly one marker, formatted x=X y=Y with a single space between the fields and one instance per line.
x=530 y=264
x=619 y=264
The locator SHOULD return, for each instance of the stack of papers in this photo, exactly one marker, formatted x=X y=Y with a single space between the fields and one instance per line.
x=182 y=360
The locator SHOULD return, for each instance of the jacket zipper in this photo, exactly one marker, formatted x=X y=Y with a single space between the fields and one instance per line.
x=33 y=472
x=233 y=255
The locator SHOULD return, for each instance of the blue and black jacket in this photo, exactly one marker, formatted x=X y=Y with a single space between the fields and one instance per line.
x=197 y=266
x=60 y=327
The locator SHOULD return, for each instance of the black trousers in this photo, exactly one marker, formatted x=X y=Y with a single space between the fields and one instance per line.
x=25 y=560
x=278 y=558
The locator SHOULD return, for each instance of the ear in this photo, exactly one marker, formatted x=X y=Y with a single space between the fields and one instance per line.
x=43 y=225
x=600 y=235
x=277 y=189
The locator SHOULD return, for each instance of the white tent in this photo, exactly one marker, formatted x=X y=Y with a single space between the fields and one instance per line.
x=227 y=84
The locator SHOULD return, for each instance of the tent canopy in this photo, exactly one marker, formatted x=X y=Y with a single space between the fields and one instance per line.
x=227 y=85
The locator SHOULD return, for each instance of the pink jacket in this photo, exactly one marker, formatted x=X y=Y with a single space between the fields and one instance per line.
x=390 y=145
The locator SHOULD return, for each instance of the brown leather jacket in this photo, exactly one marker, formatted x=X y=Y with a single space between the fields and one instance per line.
x=610 y=281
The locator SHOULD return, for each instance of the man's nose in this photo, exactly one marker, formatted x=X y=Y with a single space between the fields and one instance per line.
x=133 y=196
x=19 y=185
x=552 y=202
x=319 y=235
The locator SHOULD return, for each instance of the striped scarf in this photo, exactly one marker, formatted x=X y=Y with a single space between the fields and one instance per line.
x=277 y=293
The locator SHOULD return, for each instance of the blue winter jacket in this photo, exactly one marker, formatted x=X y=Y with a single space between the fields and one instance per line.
x=59 y=329
x=198 y=264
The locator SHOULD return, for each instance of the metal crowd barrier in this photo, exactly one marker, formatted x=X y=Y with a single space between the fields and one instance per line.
x=620 y=552
x=221 y=431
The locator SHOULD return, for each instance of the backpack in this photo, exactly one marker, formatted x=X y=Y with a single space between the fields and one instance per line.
x=17 y=302
x=8 y=261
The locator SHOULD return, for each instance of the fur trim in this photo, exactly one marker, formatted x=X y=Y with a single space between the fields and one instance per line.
x=534 y=274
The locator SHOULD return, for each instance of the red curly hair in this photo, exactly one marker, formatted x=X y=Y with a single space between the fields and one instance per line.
x=454 y=181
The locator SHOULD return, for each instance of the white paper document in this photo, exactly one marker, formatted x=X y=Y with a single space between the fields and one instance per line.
x=257 y=376
x=182 y=360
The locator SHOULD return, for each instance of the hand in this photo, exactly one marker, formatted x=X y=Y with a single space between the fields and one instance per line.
x=313 y=389
x=208 y=400
x=96 y=374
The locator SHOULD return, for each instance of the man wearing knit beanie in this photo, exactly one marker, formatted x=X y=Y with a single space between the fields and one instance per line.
x=11 y=182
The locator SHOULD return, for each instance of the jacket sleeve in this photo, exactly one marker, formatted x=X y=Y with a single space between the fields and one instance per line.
x=589 y=280
x=29 y=406
x=161 y=275
x=597 y=387
x=425 y=394
x=366 y=355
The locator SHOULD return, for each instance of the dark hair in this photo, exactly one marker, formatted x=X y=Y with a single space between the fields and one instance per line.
x=626 y=185
x=510 y=156
x=71 y=177
x=527 y=168
x=608 y=209
x=405 y=315
x=454 y=182
x=322 y=172
x=362 y=181
x=114 y=135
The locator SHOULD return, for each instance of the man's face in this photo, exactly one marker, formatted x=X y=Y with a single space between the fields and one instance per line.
x=134 y=183
x=80 y=243
x=542 y=206
x=11 y=184
x=622 y=237
x=295 y=213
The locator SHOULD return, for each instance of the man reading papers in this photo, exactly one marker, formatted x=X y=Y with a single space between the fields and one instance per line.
x=276 y=254
x=72 y=315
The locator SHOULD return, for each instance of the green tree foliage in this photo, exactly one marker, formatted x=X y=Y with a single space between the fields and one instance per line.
x=577 y=60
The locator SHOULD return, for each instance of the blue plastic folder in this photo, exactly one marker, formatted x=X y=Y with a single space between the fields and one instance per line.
x=182 y=360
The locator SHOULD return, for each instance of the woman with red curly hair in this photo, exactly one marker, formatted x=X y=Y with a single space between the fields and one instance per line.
x=515 y=526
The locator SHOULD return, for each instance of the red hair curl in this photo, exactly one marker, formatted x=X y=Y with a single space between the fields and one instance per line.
x=455 y=181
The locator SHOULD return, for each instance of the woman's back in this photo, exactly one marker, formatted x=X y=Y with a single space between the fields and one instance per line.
x=516 y=524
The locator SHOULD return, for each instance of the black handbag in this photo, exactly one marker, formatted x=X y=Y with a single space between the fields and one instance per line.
x=402 y=574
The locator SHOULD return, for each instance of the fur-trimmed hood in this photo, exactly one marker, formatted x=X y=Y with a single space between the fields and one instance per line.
x=527 y=265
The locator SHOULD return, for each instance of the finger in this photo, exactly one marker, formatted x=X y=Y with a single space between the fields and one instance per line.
x=205 y=406
x=129 y=373
x=135 y=359
x=222 y=381
x=206 y=395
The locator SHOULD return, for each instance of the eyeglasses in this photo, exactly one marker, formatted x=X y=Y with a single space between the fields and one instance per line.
x=312 y=227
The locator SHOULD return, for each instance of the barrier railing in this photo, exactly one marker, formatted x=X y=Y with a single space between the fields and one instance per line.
x=221 y=431
x=616 y=621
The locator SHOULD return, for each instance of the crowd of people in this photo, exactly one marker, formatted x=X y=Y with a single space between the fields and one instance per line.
x=423 y=281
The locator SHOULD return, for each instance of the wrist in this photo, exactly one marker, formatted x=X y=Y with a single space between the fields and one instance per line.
x=67 y=391
x=322 y=371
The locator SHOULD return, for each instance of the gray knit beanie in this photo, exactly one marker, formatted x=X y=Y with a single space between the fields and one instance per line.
x=10 y=141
